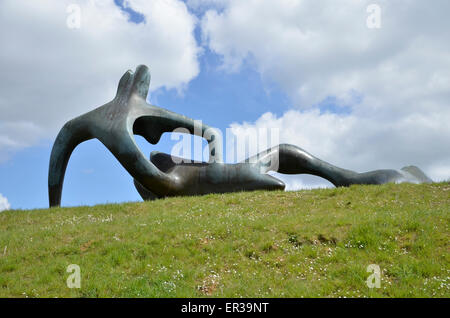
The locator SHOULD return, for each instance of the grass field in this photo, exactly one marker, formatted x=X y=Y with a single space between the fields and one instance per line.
x=312 y=243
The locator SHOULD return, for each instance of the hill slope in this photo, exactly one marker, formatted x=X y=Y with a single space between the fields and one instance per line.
x=255 y=244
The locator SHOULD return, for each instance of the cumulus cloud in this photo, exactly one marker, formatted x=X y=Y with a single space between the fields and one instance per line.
x=390 y=86
x=51 y=72
x=4 y=204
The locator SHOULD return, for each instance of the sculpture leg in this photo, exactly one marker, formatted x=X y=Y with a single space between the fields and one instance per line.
x=290 y=159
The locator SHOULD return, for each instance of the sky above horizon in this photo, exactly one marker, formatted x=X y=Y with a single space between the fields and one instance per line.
x=359 y=97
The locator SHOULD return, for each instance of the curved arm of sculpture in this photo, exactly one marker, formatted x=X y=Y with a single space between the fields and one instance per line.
x=70 y=136
x=122 y=146
x=151 y=127
x=212 y=135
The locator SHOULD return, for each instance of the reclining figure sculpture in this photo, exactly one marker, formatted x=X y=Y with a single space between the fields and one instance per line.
x=128 y=114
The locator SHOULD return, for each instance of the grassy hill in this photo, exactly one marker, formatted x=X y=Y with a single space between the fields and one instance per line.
x=313 y=243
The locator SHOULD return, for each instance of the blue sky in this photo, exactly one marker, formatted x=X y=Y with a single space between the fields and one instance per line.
x=358 y=97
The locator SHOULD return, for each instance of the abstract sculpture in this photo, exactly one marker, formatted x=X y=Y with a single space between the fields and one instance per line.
x=128 y=114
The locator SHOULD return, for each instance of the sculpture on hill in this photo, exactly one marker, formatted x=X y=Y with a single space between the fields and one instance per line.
x=128 y=114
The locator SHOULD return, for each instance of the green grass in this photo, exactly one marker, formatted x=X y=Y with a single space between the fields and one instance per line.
x=314 y=243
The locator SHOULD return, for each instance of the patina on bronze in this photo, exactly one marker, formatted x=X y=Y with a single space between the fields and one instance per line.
x=128 y=114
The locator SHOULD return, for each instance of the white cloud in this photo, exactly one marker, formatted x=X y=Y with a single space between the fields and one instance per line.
x=395 y=80
x=51 y=73
x=4 y=204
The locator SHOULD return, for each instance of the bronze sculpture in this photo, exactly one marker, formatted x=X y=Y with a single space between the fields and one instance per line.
x=116 y=123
